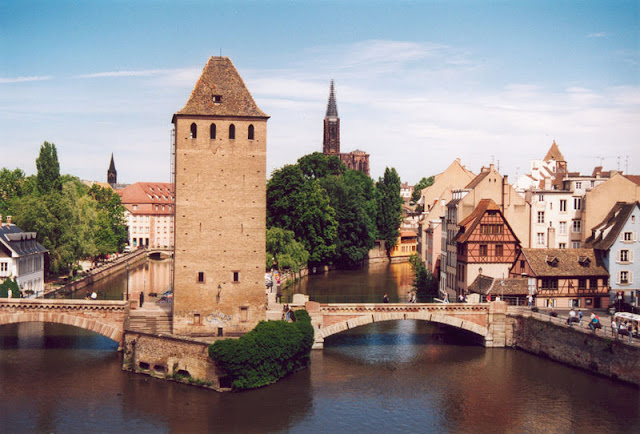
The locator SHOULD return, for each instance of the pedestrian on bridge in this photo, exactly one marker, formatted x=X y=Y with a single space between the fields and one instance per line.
x=614 y=328
x=385 y=298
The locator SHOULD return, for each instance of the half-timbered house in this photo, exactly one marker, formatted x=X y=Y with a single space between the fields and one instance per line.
x=485 y=245
x=565 y=278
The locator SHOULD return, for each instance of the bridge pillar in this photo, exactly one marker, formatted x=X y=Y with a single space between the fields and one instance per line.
x=497 y=325
x=313 y=308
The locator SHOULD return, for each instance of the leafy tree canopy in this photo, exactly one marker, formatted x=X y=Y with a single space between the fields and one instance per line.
x=283 y=248
x=48 y=168
x=422 y=184
x=390 y=202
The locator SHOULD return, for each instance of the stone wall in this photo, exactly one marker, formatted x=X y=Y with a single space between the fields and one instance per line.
x=576 y=348
x=167 y=357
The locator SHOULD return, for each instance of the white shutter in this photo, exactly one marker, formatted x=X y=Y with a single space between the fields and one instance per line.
x=630 y=254
x=618 y=277
x=630 y=277
x=619 y=256
x=635 y=236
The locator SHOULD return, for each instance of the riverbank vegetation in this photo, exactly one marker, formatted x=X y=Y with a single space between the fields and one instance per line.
x=424 y=282
x=334 y=213
x=272 y=350
x=72 y=220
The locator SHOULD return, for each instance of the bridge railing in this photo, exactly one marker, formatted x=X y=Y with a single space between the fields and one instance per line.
x=358 y=298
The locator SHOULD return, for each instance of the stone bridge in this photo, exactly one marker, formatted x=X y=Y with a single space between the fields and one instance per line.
x=104 y=317
x=485 y=320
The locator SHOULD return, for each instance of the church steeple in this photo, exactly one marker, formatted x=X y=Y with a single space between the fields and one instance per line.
x=331 y=141
x=112 y=174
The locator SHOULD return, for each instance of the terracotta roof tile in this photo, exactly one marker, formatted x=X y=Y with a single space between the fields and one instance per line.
x=554 y=153
x=604 y=234
x=570 y=262
x=220 y=91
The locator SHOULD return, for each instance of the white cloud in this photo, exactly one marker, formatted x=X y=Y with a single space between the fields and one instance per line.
x=25 y=79
x=597 y=35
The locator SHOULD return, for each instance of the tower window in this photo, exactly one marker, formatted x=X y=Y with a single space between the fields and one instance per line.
x=236 y=276
x=212 y=131
x=232 y=132
x=200 y=278
x=194 y=130
x=251 y=132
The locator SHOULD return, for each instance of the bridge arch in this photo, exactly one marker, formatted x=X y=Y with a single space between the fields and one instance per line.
x=372 y=317
x=104 y=329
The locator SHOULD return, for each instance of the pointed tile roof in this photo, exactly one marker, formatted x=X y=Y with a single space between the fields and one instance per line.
x=469 y=223
x=606 y=233
x=332 y=107
x=554 y=153
x=220 y=91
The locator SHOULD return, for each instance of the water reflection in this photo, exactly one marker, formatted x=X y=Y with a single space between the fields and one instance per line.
x=146 y=275
x=365 y=285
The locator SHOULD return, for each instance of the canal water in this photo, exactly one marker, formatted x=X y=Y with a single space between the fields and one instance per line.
x=399 y=376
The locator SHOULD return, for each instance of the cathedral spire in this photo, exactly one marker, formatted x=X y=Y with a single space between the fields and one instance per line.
x=112 y=174
x=332 y=107
x=331 y=141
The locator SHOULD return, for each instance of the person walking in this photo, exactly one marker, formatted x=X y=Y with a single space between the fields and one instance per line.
x=614 y=328
x=530 y=300
x=385 y=298
x=571 y=318
x=580 y=317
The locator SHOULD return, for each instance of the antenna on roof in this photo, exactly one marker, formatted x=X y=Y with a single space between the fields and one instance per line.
x=618 y=159
x=601 y=160
x=626 y=165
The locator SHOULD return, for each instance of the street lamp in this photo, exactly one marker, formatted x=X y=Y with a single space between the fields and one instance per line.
x=480 y=281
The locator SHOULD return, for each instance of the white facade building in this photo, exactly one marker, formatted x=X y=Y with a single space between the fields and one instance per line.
x=22 y=259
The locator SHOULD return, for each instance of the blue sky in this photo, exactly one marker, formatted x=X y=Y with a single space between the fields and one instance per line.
x=419 y=83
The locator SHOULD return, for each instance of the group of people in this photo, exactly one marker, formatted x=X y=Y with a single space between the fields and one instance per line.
x=91 y=296
x=575 y=317
x=624 y=328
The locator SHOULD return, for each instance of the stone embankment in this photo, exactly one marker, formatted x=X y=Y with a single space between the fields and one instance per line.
x=575 y=346
x=99 y=273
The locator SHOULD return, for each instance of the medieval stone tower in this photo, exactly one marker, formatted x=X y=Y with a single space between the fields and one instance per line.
x=220 y=216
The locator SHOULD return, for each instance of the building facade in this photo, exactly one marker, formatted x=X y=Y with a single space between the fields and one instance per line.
x=149 y=214
x=22 y=259
x=564 y=278
x=616 y=240
x=356 y=160
x=220 y=190
x=486 y=245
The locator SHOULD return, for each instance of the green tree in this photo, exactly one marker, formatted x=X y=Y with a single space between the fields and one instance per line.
x=422 y=184
x=353 y=198
x=301 y=205
x=285 y=250
x=318 y=165
x=9 y=285
x=424 y=282
x=48 y=168
x=11 y=186
x=390 y=203
x=112 y=234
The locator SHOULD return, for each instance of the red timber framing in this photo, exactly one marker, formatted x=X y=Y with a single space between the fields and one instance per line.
x=485 y=240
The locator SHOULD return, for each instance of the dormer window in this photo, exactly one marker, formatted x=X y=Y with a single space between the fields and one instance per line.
x=217 y=99
x=552 y=260
x=584 y=261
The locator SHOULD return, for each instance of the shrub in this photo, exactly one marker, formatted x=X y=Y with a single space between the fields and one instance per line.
x=9 y=285
x=269 y=352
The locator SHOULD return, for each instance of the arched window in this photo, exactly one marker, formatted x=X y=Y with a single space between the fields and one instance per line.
x=194 y=130
x=232 y=132
x=251 y=132
x=212 y=131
